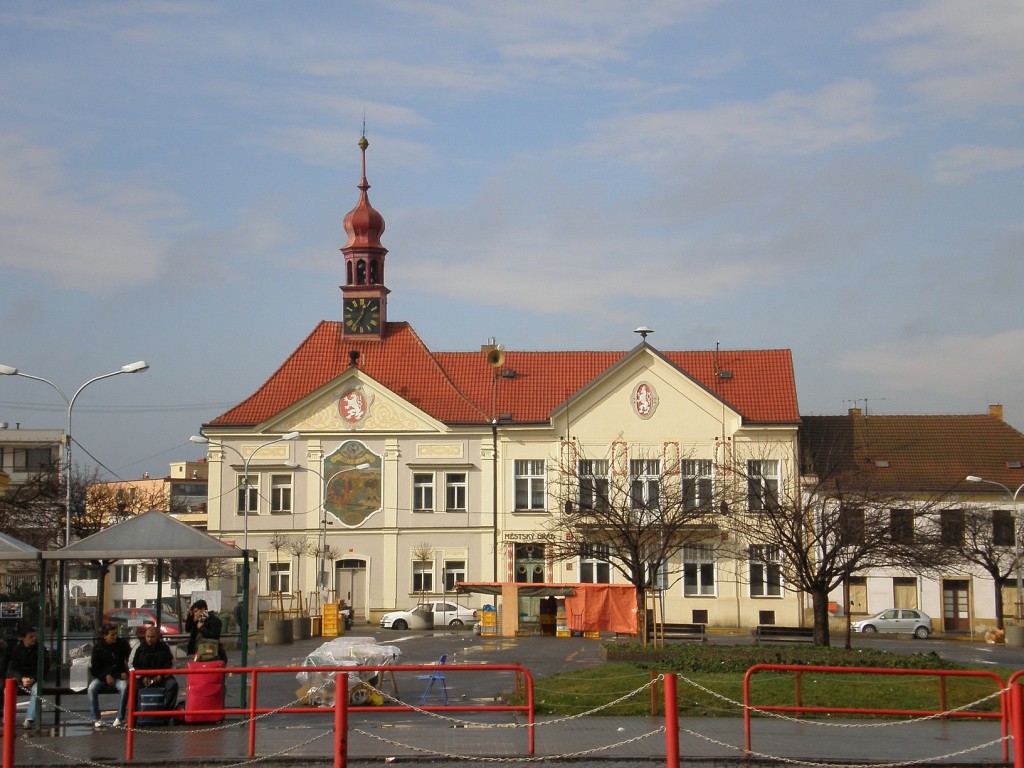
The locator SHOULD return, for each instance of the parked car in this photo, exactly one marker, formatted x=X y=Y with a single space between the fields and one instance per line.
x=907 y=620
x=81 y=618
x=418 y=617
x=140 y=618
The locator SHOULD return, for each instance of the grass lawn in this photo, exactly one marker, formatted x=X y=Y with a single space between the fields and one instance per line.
x=710 y=681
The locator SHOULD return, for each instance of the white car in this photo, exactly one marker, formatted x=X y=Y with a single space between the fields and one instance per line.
x=419 y=617
x=908 y=620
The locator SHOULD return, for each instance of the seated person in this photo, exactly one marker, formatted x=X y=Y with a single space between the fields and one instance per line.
x=109 y=669
x=23 y=667
x=154 y=653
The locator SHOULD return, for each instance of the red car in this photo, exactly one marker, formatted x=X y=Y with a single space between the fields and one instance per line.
x=140 y=618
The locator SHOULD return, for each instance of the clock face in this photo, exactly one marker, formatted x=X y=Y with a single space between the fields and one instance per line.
x=362 y=315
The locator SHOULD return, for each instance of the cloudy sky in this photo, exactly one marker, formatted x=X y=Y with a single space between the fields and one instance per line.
x=841 y=179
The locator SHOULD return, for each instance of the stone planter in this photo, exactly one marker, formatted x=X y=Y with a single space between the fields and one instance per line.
x=1014 y=636
x=277 y=632
x=301 y=627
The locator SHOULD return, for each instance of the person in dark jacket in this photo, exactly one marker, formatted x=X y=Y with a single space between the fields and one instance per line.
x=203 y=624
x=154 y=653
x=23 y=667
x=109 y=669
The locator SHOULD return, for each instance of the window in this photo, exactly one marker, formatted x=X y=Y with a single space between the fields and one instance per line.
x=126 y=574
x=123 y=604
x=951 y=523
x=454 y=572
x=593 y=478
x=280 y=577
x=851 y=526
x=422 y=576
x=38 y=459
x=530 y=490
x=765 y=571
x=248 y=494
x=1002 y=527
x=423 y=492
x=281 y=494
x=901 y=526
x=762 y=484
x=455 y=492
x=697 y=484
x=645 y=483
x=659 y=575
x=698 y=570
x=151 y=574
x=594 y=566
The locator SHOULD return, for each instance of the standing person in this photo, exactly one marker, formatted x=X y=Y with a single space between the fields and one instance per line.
x=203 y=624
x=109 y=669
x=154 y=653
x=23 y=665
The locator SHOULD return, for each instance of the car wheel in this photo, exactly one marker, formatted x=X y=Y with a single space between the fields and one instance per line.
x=455 y=623
x=400 y=624
x=870 y=628
x=921 y=633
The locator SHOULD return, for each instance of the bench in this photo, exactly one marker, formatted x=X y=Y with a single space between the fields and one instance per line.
x=773 y=633
x=678 y=632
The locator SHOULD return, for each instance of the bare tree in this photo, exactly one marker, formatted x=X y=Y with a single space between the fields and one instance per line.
x=278 y=542
x=422 y=553
x=977 y=536
x=299 y=546
x=634 y=514
x=840 y=520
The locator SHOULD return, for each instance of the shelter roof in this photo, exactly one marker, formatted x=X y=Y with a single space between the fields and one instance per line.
x=13 y=549
x=152 y=534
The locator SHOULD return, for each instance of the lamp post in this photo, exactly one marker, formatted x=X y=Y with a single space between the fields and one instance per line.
x=243 y=629
x=7 y=370
x=321 y=578
x=1016 y=538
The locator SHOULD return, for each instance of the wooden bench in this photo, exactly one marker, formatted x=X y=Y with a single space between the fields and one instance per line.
x=773 y=633
x=678 y=632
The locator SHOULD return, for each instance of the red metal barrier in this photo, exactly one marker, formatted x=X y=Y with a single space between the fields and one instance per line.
x=941 y=674
x=252 y=711
x=1017 y=722
x=10 y=720
x=671 y=723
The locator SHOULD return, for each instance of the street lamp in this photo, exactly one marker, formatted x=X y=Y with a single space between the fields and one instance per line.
x=1016 y=537
x=243 y=630
x=322 y=578
x=7 y=370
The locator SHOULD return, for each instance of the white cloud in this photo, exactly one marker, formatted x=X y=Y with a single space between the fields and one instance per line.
x=787 y=123
x=958 y=164
x=955 y=366
x=80 y=236
x=960 y=56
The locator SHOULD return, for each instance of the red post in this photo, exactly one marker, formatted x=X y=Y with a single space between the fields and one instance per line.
x=129 y=742
x=10 y=720
x=340 y=719
x=1017 y=723
x=671 y=723
x=252 y=713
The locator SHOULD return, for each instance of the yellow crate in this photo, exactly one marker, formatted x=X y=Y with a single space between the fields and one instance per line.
x=563 y=633
x=592 y=635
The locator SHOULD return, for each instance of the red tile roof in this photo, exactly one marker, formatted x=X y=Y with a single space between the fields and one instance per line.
x=461 y=388
x=923 y=453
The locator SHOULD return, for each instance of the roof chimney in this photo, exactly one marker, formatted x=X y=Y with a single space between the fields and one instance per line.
x=996 y=410
x=855 y=411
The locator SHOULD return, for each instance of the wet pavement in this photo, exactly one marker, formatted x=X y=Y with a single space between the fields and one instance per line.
x=451 y=737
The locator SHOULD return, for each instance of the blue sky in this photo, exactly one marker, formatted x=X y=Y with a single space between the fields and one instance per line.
x=841 y=179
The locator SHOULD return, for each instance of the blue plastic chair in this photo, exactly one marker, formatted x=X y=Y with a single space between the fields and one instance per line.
x=435 y=677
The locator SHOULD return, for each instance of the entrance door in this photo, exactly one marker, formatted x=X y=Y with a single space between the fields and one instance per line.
x=858 y=587
x=350 y=585
x=956 y=614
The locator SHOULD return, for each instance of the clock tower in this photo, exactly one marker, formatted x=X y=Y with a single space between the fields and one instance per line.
x=364 y=295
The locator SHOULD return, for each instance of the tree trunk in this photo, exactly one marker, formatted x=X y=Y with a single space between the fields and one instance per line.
x=819 y=607
x=999 y=604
